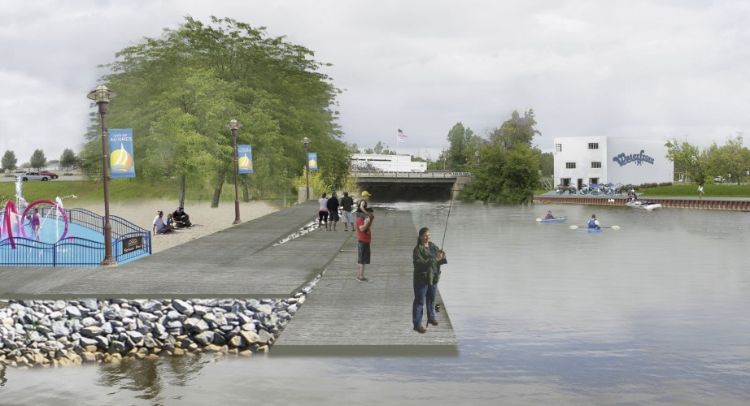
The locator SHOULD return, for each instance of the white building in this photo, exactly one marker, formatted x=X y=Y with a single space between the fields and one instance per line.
x=599 y=160
x=386 y=163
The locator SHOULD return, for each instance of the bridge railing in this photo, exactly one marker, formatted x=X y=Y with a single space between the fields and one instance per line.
x=422 y=175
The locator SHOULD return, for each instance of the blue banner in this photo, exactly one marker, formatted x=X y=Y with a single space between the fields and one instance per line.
x=312 y=160
x=121 y=162
x=245 y=158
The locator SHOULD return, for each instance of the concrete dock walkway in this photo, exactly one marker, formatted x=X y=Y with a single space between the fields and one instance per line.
x=240 y=261
x=341 y=316
x=344 y=316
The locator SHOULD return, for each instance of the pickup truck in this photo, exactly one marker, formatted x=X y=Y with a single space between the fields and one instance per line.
x=34 y=176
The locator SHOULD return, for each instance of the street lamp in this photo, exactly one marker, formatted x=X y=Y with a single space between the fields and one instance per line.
x=101 y=96
x=306 y=141
x=234 y=125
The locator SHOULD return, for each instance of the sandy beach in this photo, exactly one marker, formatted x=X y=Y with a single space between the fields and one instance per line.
x=206 y=220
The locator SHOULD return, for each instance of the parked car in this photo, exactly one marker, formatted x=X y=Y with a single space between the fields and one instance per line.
x=718 y=179
x=34 y=176
x=51 y=175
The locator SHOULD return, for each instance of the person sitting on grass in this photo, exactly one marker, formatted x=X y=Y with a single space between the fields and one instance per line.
x=160 y=227
x=181 y=219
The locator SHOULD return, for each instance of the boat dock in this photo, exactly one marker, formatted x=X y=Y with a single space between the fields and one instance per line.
x=729 y=204
x=341 y=314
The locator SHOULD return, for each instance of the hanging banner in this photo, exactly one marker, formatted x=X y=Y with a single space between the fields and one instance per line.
x=121 y=163
x=245 y=158
x=312 y=160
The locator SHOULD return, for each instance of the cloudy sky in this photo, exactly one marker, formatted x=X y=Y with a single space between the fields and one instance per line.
x=654 y=69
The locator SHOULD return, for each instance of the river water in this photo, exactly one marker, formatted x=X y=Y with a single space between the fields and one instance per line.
x=653 y=313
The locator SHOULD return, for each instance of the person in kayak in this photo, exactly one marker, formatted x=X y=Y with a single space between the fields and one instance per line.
x=594 y=223
x=549 y=215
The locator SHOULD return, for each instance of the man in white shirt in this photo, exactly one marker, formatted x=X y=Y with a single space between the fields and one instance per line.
x=160 y=227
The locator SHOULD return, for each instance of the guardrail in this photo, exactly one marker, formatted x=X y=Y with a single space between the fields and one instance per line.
x=128 y=243
x=426 y=175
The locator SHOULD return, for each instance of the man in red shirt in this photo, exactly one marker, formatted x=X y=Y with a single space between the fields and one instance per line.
x=364 y=236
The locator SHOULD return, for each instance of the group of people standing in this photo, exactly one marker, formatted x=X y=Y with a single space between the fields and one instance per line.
x=328 y=211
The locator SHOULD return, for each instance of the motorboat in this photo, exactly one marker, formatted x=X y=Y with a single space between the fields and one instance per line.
x=643 y=204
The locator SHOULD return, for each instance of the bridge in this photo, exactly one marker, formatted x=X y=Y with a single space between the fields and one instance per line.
x=395 y=186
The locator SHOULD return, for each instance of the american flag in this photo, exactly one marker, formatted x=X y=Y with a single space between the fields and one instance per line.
x=401 y=136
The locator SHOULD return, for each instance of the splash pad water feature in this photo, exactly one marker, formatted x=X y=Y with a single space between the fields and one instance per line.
x=46 y=234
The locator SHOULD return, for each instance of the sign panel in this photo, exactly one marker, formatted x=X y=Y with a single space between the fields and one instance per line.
x=131 y=244
x=312 y=160
x=245 y=158
x=121 y=162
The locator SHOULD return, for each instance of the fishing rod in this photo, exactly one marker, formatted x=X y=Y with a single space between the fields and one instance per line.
x=450 y=206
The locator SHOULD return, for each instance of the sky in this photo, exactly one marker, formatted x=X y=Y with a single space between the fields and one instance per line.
x=632 y=68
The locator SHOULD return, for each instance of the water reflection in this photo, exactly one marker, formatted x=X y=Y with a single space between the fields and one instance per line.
x=147 y=379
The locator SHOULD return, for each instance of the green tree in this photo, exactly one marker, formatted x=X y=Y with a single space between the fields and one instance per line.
x=508 y=168
x=68 y=158
x=547 y=163
x=689 y=161
x=38 y=160
x=380 y=148
x=179 y=91
x=730 y=160
x=517 y=130
x=9 y=160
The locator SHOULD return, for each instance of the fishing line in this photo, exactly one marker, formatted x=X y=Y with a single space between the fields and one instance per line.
x=442 y=243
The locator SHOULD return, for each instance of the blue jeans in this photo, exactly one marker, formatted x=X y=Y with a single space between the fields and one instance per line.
x=423 y=294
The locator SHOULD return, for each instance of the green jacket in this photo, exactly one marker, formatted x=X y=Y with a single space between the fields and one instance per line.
x=426 y=268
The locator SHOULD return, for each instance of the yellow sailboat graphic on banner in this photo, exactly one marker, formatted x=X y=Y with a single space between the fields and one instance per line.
x=245 y=163
x=120 y=160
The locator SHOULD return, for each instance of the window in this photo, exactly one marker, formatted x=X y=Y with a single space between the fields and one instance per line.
x=570 y=165
x=595 y=164
x=593 y=145
x=558 y=147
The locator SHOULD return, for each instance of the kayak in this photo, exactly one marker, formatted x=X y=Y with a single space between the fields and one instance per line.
x=552 y=220
x=594 y=230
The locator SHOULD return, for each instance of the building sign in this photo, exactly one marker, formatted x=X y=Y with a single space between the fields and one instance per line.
x=245 y=158
x=131 y=244
x=639 y=159
x=121 y=163
x=312 y=161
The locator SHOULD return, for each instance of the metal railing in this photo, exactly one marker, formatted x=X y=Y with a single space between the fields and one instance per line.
x=75 y=251
x=425 y=175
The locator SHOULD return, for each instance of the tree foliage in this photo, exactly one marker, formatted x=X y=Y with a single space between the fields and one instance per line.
x=179 y=91
x=508 y=167
x=731 y=160
x=68 y=158
x=38 y=160
x=9 y=160
x=380 y=148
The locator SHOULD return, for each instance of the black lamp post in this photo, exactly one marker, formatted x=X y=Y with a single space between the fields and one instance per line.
x=306 y=141
x=234 y=126
x=101 y=96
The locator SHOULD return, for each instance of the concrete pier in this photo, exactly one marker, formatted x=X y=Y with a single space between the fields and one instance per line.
x=341 y=315
x=347 y=317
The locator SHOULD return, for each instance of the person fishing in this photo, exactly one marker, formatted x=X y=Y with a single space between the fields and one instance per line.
x=593 y=223
x=427 y=259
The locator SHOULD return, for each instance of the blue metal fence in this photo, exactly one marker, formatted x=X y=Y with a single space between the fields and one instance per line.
x=76 y=251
